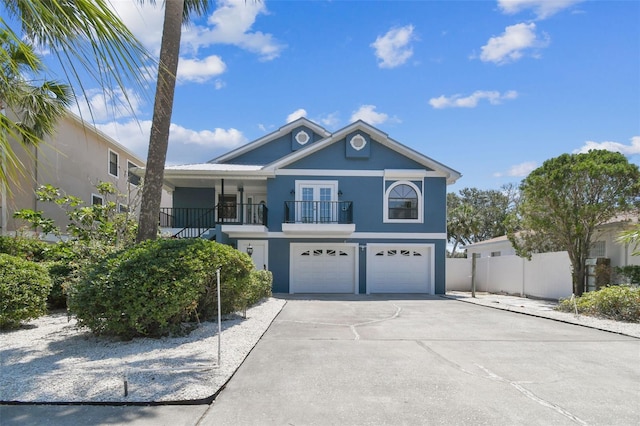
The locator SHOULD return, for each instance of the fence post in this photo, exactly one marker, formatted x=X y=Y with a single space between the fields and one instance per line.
x=473 y=275
x=219 y=315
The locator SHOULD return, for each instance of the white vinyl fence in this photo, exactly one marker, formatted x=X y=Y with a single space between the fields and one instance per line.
x=545 y=276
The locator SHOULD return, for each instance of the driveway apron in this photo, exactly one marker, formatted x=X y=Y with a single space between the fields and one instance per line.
x=371 y=360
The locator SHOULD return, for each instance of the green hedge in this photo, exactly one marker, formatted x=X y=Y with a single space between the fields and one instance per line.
x=152 y=288
x=24 y=287
x=620 y=303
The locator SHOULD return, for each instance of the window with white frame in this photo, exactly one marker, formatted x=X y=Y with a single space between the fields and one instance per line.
x=598 y=249
x=403 y=202
x=97 y=199
x=113 y=163
x=123 y=208
x=131 y=178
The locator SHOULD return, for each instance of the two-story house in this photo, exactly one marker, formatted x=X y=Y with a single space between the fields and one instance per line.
x=352 y=211
x=75 y=159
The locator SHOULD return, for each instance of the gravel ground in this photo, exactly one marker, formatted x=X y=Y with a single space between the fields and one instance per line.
x=51 y=360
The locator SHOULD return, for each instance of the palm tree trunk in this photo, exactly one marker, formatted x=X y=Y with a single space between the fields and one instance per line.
x=162 y=109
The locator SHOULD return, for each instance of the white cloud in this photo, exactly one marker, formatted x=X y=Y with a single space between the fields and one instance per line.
x=511 y=45
x=296 y=114
x=200 y=71
x=394 y=49
x=135 y=136
x=368 y=114
x=519 y=170
x=330 y=120
x=632 y=149
x=105 y=104
x=542 y=8
x=231 y=24
x=471 y=101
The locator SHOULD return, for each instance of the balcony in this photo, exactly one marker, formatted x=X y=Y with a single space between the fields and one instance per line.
x=318 y=217
x=189 y=222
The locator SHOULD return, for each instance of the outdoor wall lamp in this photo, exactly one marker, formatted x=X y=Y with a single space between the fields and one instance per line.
x=249 y=249
x=293 y=192
x=339 y=193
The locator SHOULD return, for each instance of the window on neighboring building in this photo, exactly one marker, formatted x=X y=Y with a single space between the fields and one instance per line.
x=113 y=163
x=495 y=253
x=598 y=249
x=403 y=202
x=123 y=208
x=133 y=179
x=97 y=200
x=475 y=255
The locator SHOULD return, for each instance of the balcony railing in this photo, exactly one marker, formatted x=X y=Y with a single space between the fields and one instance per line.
x=340 y=212
x=207 y=218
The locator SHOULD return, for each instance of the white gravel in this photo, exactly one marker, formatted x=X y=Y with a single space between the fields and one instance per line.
x=51 y=360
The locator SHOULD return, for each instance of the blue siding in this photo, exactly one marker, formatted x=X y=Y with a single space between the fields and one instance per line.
x=333 y=157
x=271 y=151
x=194 y=197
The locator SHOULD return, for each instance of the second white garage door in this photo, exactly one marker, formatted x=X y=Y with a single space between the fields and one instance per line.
x=399 y=268
x=323 y=268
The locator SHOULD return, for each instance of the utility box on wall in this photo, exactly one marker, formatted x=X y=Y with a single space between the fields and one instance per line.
x=598 y=273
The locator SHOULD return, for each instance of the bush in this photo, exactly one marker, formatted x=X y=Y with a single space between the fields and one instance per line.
x=620 y=303
x=630 y=273
x=260 y=283
x=26 y=248
x=151 y=288
x=24 y=287
x=60 y=273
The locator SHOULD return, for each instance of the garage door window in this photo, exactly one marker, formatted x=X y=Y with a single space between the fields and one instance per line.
x=403 y=203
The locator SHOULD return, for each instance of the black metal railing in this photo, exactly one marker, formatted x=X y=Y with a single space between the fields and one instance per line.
x=195 y=222
x=340 y=212
x=242 y=214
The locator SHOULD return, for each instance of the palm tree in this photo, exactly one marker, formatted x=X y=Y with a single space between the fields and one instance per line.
x=176 y=13
x=29 y=108
x=85 y=36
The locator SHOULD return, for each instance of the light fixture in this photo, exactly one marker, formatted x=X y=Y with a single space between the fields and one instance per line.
x=249 y=249
x=293 y=192
x=340 y=192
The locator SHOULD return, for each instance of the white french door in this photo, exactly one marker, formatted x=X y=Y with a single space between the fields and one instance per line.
x=316 y=201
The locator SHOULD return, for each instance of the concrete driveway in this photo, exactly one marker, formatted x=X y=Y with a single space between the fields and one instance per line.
x=366 y=360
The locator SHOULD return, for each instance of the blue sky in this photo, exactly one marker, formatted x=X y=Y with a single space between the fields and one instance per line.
x=489 y=88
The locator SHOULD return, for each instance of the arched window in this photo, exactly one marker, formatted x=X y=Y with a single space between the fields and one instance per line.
x=403 y=202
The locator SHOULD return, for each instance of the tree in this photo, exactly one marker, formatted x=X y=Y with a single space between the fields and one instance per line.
x=476 y=215
x=176 y=13
x=568 y=197
x=29 y=105
x=85 y=36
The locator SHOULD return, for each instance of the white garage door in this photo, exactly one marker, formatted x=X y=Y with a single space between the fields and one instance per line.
x=323 y=268
x=399 y=268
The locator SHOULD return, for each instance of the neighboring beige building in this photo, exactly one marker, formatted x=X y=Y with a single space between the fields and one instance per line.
x=76 y=158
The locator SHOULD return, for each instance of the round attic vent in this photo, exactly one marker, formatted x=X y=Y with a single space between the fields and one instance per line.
x=302 y=137
x=358 y=142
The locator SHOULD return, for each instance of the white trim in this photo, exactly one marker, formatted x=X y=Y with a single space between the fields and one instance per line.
x=405 y=174
x=315 y=229
x=333 y=184
x=385 y=217
x=360 y=140
x=135 y=166
x=117 y=164
x=417 y=174
x=244 y=231
x=271 y=136
x=302 y=134
x=97 y=196
x=373 y=235
x=432 y=260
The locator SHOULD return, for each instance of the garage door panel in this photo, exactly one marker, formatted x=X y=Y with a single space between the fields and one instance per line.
x=322 y=268
x=399 y=269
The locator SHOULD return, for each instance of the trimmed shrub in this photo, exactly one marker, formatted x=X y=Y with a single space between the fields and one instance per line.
x=26 y=248
x=620 y=303
x=260 y=283
x=24 y=287
x=152 y=288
